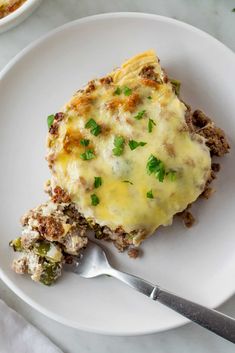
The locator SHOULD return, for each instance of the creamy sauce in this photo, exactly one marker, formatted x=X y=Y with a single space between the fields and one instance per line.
x=125 y=203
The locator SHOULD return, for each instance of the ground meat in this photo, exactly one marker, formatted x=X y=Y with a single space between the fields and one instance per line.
x=149 y=73
x=106 y=80
x=119 y=237
x=59 y=116
x=60 y=196
x=74 y=215
x=187 y=218
x=50 y=228
x=55 y=126
x=215 y=137
x=54 y=129
x=215 y=167
x=133 y=253
x=199 y=119
x=91 y=87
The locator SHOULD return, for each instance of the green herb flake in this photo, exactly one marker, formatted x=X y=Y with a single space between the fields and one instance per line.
x=151 y=123
x=117 y=91
x=140 y=115
x=156 y=166
x=97 y=182
x=127 y=181
x=118 y=145
x=84 y=142
x=150 y=97
x=50 y=120
x=172 y=175
x=127 y=91
x=94 y=200
x=134 y=144
x=87 y=155
x=149 y=194
x=176 y=86
x=95 y=129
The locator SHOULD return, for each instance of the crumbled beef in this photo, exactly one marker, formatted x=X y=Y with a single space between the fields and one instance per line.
x=90 y=87
x=149 y=73
x=106 y=80
x=187 y=218
x=133 y=253
x=60 y=196
x=215 y=167
x=215 y=137
x=50 y=228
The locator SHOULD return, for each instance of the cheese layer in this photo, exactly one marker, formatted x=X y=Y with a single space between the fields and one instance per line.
x=122 y=106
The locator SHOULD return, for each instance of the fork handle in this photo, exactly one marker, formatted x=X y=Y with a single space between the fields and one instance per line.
x=210 y=319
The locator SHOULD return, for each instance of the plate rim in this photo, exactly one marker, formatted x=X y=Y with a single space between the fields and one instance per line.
x=20 y=14
x=3 y=276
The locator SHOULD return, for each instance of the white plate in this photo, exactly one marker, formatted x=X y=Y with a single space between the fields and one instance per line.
x=198 y=263
x=18 y=15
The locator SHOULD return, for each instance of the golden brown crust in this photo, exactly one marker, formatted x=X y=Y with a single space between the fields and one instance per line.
x=132 y=102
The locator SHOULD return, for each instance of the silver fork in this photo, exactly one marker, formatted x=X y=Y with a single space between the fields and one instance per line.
x=92 y=262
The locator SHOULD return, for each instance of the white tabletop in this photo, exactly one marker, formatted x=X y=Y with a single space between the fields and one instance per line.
x=213 y=16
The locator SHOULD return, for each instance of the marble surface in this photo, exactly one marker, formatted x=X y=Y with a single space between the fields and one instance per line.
x=214 y=17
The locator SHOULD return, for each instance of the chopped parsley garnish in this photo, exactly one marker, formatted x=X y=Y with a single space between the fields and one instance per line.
x=149 y=194
x=156 y=166
x=134 y=144
x=127 y=91
x=150 y=97
x=118 y=91
x=140 y=115
x=50 y=120
x=118 y=145
x=97 y=182
x=176 y=86
x=93 y=126
x=127 y=181
x=94 y=200
x=84 y=142
x=151 y=123
x=172 y=175
x=87 y=155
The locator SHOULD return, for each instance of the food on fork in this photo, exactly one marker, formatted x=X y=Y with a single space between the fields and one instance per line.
x=51 y=233
x=126 y=154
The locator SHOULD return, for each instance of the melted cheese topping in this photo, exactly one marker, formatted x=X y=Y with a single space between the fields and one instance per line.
x=123 y=203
